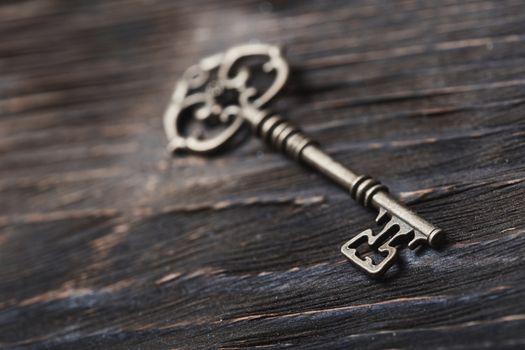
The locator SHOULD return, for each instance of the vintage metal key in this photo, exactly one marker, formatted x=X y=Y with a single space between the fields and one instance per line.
x=221 y=91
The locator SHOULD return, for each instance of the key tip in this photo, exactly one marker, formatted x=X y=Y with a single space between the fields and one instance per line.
x=436 y=237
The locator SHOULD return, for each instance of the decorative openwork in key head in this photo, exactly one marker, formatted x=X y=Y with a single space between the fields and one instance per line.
x=215 y=90
x=394 y=234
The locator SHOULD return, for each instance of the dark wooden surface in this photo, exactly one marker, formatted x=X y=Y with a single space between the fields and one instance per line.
x=107 y=243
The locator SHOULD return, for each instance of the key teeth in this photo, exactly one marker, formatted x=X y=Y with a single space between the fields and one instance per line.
x=384 y=242
x=349 y=249
x=418 y=239
x=382 y=216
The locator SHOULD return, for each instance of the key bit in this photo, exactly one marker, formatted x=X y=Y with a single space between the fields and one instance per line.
x=220 y=88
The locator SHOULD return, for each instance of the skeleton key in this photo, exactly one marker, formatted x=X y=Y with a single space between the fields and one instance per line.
x=220 y=91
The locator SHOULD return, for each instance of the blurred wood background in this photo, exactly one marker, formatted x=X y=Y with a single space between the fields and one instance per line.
x=108 y=243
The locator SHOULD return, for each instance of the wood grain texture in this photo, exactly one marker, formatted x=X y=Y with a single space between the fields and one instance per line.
x=108 y=243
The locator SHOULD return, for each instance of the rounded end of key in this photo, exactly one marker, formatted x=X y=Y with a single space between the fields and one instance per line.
x=436 y=237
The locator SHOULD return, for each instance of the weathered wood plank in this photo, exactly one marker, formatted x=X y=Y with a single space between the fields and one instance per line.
x=106 y=242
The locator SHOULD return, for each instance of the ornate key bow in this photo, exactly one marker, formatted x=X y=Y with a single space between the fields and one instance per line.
x=221 y=91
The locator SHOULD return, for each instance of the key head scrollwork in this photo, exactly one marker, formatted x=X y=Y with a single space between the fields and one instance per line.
x=211 y=96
